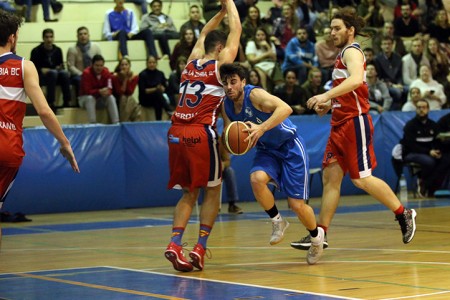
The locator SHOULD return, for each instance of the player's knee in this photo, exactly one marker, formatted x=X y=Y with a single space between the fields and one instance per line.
x=258 y=179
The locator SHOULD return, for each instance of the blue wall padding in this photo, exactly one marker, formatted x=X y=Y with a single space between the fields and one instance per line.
x=126 y=166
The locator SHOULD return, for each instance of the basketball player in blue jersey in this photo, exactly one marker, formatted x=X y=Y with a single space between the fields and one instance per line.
x=280 y=158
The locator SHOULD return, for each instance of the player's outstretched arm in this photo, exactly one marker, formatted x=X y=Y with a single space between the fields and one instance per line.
x=33 y=90
x=199 y=49
x=229 y=53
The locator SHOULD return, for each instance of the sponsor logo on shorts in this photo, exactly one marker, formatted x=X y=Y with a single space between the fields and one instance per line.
x=191 y=141
x=335 y=103
x=174 y=139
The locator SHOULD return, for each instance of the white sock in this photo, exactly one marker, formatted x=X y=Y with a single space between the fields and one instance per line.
x=277 y=218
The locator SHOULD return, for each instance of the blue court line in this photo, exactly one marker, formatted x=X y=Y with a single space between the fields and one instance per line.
x=221 y=218
x=111 y=283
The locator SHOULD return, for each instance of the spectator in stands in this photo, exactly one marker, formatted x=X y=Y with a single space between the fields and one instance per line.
x=372 y=13
x=369 y=54
x=416 y=12
x=439 y=61
x=326 y=53
x=183 y=47
x=300 y=55
x=29 y=7
x=291 y=93
x=194 y=22
x=261 y=54
x=306 y=16
x=48 y=59
x=79 y=57
x=444 y=127
x=161 y=25
x=242 y=6
x=406 y=26
x=313 y=86
x=141 y=3
x=420 y=145
x=173 y=88
x=273 y=13
x=253 y=78
x=389 y=69
x=414 y=96
x=388 y=31
x=440 y=29
x=250 y=24
x=431 y=90
x=124 y=83
x=121 y=24
x=152 y=89
x=210 y=8
x=412 y=61
x=96 y=90
x=7 y=6
x=284 y=29
x=433 y=8
x=379 y=97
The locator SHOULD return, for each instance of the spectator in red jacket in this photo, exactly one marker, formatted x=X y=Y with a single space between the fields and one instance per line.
x=96 y=90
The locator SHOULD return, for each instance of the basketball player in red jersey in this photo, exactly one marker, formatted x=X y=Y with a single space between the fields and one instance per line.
x=350 y=145
x=19 y=79
x=194 y=157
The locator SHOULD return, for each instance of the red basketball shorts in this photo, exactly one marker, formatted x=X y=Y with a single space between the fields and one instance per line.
x=194 y=159
x=7 y=176
x=351 y=145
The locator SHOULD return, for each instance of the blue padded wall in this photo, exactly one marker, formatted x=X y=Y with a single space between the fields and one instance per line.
x=125 y=166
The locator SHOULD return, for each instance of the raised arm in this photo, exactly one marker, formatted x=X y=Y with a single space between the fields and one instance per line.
x=228 y=54
x=34 y=92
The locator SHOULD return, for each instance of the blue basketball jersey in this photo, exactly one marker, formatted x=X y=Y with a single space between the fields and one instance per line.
x=271 y=139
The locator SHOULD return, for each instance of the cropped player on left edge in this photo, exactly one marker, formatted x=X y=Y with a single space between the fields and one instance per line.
x=194 y=158
x=280 y=157
x=19 y=78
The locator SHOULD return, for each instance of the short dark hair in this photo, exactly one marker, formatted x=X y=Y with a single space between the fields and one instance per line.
x=9 y=24
x=47 y=30
x=423 y=100
x=97 y=57
x=82 y=28
x=213 y=38
x=154 y=1
x=228 y=70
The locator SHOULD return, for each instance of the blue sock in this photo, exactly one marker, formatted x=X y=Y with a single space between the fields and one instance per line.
x=177 y=235
x=203 y=234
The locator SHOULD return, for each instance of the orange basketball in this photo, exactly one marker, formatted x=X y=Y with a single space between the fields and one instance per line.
x=234 y=138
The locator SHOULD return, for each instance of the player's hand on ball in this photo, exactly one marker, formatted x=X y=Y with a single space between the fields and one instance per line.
x=256 y=131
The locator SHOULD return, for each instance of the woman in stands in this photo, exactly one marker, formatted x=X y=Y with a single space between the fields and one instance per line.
x=251 y=22
x=183 y=47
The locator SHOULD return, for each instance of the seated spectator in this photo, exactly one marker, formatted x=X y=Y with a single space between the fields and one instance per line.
x=29 y=7
x=173 y=88
x=183 y=47
x=300 y=55
x=372 y=12
x=253 y=78
x=261 y=54
x=416 y=12
x=273 y=13
x=79 y=57
x=439 y=61
x=48 y=59
x=96 y=90
x=306 y=16
x=389 y=69
x=194 y=22
x=379 y=97
x=388 y=31
x=369 y=54
x=414 y=96
x=444 y=127
x=420 y=145
x=161 y=25
x=121 y=24
x=432 y=10
x=251 y=23
x=284 y=29
x=412 y=61
x=152 y=89
x=431 y=90
x=406 y=26
x=291 y=93
x=440 y=29
x=313 y=86
x=7 y=6
x=326 y=53
x=124 y=84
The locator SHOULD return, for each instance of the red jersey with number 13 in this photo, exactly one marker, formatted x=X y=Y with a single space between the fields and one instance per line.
x=354 y=103
x=201 y=94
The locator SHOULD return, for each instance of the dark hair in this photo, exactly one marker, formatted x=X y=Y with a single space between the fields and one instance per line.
x=213 y=38
x=351 y=19
x=423 y=100
x=9 y=24
x=289 y=70
x=97 y=57
x=154 y=1
x=228 y=70
x=82 y=28
x=194 y=5
x=257 y=75
x=47 y=30
x=183 y=43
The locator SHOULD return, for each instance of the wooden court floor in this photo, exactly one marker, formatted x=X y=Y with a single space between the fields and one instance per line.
x=366 y=258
